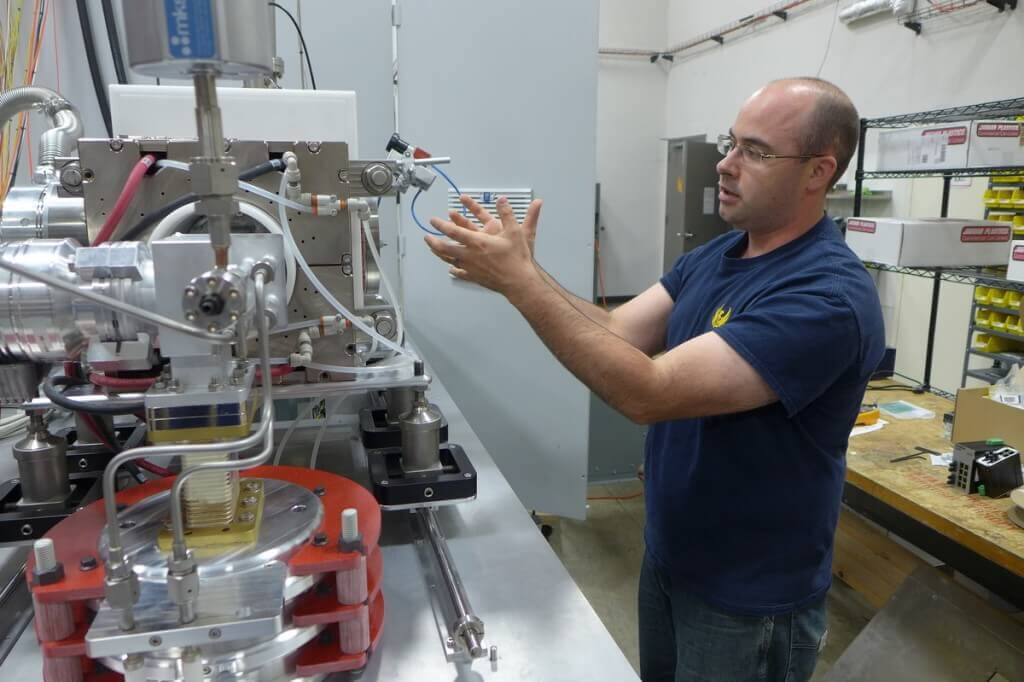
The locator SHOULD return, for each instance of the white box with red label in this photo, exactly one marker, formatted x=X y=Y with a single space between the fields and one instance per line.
x=929 y=242
x=924 y=148
x=1015 y=266
x=996 y=143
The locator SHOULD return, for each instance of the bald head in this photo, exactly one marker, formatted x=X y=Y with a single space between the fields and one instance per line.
x=830 y=123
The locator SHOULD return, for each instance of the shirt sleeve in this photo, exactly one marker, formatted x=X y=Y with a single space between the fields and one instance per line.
x=673 y=279
x=799 y=342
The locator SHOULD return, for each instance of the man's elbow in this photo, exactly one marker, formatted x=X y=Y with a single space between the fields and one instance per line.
x=641 y=414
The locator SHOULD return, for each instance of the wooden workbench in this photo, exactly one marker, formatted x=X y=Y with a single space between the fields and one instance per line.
x=914 y=495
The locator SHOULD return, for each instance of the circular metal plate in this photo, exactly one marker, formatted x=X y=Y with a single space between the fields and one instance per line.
x=291 y=514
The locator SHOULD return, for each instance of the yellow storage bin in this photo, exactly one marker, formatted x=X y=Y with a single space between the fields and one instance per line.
x=981 y=294
x=1018 y=198
x=1013 y=325
x=1007 y=179
x=997 y=296
x=1018 y=221
x=995 y=344
x=991 y=198
x=1001 y=217
x=981 y=318
x=997 y=321
x=1004 y=198
x=1013 y=299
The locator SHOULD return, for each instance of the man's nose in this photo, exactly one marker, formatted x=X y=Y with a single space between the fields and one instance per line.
x=727 y=166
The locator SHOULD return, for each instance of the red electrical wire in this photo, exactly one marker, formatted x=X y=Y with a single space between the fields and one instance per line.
x=154 y=468
x=131 y=186
x=143 y=464
x=276 y=372
x=121 y=383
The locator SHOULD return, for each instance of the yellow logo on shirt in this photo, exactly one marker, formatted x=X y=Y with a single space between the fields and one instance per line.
x=721 y=317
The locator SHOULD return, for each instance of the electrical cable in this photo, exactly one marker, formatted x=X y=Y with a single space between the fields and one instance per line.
x=320 y=436
x=94 y=67
x=828 y=45
x=131 y=187
x=302 y=39
x=115 y=41
x=57 y=397
x=412 y=210
x=122 y=383
x=153 y=217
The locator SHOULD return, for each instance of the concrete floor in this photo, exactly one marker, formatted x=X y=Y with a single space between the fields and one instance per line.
x=603 y=555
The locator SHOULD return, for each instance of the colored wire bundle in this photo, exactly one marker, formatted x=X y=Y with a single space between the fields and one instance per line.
x=12 y=136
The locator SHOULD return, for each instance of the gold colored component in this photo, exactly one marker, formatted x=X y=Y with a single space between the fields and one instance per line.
x=205 y=434
x=243 y=528
x=209 y=497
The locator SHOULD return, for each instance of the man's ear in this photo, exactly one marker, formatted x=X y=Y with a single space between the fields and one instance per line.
x=822 y=170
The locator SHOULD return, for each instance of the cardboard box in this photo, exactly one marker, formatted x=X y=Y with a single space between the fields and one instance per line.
x=929 y=242
x=1015 y=266
x=927 y=148
x=996 y=143
x=978 y=418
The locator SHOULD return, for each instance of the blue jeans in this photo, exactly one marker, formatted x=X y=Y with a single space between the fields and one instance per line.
x=685 y=639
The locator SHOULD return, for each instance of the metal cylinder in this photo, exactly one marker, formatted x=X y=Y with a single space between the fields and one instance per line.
x=44 y=324
x=42 y=465
x=421 y=437
x=166 y=39
x=400 y=402
x=39 y=212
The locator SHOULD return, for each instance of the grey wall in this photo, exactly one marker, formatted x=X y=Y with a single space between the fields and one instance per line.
x=509 y=91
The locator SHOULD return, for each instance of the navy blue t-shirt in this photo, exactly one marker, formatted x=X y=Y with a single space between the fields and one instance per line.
x=742 y=508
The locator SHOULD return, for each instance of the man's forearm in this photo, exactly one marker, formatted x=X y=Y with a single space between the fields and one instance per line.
x=594 y=312
x=617 y=371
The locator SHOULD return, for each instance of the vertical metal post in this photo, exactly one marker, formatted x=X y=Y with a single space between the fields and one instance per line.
x=858 y=175
x=214 y=176
x=936 y=289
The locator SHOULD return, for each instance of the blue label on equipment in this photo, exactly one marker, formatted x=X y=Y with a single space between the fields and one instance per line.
x=190 y=33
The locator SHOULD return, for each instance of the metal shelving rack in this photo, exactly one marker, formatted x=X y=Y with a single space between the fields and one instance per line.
x=1001 y=109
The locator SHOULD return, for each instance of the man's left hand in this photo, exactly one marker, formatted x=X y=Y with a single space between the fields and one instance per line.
x=497 y=255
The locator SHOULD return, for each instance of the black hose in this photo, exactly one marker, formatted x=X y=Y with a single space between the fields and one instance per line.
x=94 y=68
x=302 y=39
x=156 y=215
x=56 y=396
x=115 y=41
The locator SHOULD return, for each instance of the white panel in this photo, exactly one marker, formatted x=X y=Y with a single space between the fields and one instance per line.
x=463 y=98
x=248 y=113
x=518 y=199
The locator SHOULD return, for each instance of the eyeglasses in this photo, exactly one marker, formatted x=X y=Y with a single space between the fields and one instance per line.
x=726 y=143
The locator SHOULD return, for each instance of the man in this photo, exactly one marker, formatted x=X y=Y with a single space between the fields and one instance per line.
x=749 y=360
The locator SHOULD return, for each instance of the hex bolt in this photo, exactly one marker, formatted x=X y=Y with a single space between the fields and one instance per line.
x=46 y=555
x=349 y=525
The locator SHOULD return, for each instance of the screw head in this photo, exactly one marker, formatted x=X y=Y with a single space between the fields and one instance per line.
x=246 y=517
x=212 y=328
x=191 y=317
x=313 y=147
x=320 y=539
x=190 y=291
x=156 y=640
x=214 y=633
x=26 y=530
x=249 y=501
x=83 y=463
x=252 y=486
x=319 y=491
x=467 y=475
x=233 y=293
x=384 y=482
x=116 y=145
x=87 y=563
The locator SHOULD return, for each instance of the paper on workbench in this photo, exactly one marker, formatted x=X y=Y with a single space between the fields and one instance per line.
x=943 y=460
x=861 y=430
